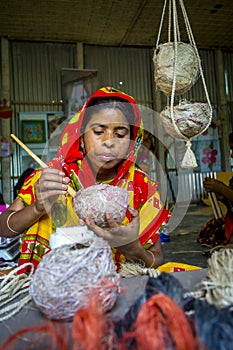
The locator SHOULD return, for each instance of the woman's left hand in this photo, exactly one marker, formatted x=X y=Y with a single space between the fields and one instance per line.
x=115 y=234
x=126 y=239
x=213 y=185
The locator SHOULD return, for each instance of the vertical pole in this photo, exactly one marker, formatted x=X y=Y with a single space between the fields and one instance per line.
x=80 y=59
x=223 y=111
x=6 y=176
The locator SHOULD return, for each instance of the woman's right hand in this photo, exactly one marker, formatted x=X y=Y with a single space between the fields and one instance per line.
x=51 y=184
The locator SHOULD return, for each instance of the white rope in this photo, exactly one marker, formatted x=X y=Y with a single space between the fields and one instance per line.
x=129 y=269
x=189 y=159
x=169 y=21
x=16 y=307
x=161 y=22
x=192 y=41
x=218 y=283
x=11 y=287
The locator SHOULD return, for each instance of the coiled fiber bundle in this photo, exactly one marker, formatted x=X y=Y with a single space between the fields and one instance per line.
x=187 y=67
x=67 y=276
x=190 y=119
x=95 y=201
x=218 y=283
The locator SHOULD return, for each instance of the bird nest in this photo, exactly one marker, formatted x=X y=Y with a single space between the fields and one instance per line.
x=187 y=67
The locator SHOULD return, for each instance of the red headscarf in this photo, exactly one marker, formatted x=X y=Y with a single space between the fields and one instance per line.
x=70 y=155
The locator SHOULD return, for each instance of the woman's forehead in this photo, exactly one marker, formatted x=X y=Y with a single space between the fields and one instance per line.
x=107 y=116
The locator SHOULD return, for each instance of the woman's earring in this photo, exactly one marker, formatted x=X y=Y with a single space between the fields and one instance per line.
x=82 y=145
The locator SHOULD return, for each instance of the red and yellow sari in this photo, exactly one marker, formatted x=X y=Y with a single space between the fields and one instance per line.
x=143 y=191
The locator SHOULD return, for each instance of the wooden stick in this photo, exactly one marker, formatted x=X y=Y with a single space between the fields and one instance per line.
x=70 y=190
x=215 y=206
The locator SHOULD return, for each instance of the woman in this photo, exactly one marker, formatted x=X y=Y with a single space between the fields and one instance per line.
x=99 y=145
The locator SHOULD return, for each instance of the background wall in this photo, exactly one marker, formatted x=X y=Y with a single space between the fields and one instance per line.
x=35 y=86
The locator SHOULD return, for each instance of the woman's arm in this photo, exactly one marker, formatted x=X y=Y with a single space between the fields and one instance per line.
x=218 y=187
x=17 y=218
x=152 y=257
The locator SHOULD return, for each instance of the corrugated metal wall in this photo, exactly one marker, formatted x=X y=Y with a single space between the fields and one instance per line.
x=36 y=74
x=130 y=66
x=197 y=92
x=228 y=65
x=36 y=81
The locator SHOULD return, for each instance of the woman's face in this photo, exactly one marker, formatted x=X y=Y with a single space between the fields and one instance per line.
x=106 y=140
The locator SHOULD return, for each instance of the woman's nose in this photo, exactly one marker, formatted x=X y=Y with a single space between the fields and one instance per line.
x=108 y=138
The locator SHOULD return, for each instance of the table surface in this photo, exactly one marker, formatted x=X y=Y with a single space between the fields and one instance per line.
x=132 y=289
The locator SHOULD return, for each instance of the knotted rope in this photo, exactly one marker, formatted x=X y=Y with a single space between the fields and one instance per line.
x=129 y=269
x=12 y=287
x=218 y=283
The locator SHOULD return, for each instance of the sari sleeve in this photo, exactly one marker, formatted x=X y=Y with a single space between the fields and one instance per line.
x=152 y=217
x=26 y=193
x=151 y=210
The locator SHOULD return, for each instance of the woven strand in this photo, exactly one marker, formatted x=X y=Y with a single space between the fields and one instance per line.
x=12 y=286
x=129 y=269
x=16 y=307
x=189 y=160
x=161 y=22
x=218 y=282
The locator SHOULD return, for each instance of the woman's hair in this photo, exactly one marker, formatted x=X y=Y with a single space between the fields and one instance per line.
x=1 y=199
x=231 y=137
x=21 y=180
x=98 y=104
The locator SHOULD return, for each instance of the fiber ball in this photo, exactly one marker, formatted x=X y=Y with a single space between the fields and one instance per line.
x=66 y=277
x=190 y=118
x=218 y=282
x=95 y=201
x=187 y=68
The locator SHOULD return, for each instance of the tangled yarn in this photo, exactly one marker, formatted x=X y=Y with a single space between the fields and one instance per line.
x=95 y=201
x=218 y=284
x=156 y=316
x=190 y=118
x=66 y=277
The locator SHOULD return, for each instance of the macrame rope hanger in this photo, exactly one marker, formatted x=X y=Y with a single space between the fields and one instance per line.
x=189 y=160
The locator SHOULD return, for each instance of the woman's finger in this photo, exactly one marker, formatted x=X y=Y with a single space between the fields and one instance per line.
x=133 y=212
x=110 y=221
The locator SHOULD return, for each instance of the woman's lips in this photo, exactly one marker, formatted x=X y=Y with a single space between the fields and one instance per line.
x=106 y=157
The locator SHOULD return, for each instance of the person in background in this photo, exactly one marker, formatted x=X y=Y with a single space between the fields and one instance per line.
x=219 y=231
x=99 y=145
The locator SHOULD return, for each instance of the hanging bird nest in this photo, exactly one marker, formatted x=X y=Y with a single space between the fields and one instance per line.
x=187 y=67
x=177 y=66
x=190 y=119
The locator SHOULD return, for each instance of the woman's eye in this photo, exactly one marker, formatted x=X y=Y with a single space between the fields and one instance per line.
x=98 y=132
x=120 y=136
